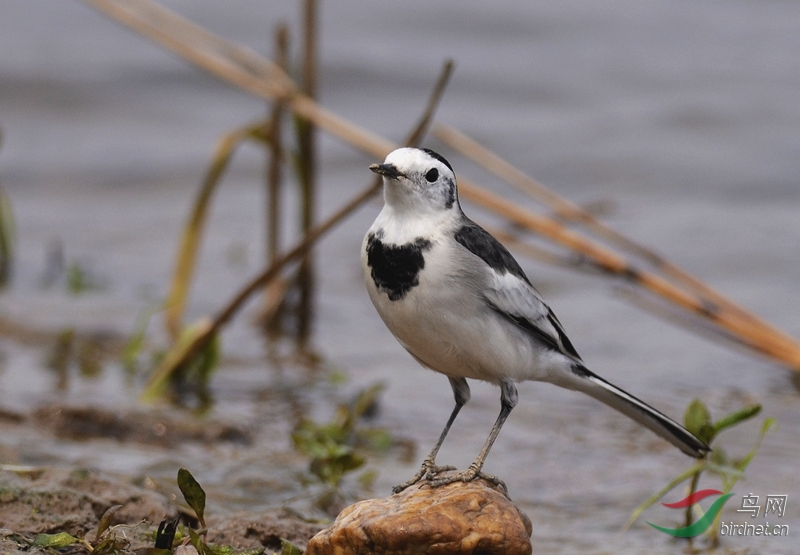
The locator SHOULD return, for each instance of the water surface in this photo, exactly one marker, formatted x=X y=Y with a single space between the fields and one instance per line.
x=685 y=115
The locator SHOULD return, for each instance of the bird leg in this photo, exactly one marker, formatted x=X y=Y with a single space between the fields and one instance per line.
x=508 y=400
x=429 y=469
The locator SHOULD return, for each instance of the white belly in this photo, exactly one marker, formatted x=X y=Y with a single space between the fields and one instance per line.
x=447 y=326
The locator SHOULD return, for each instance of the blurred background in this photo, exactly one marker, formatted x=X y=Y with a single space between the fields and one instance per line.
x=681 y=119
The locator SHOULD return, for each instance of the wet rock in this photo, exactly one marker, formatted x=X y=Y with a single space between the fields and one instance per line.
x=61 y=500
x=243 y=530
x=458 y=518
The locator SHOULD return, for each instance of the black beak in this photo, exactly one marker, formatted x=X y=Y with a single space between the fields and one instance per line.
x=386 y=169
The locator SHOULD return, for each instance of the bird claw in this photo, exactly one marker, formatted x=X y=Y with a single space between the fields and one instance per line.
x=467 y=476
x=428 y=471
x=434 y=470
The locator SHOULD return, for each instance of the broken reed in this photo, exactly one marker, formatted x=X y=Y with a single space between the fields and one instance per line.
x=307 y=169
x=6 y=234
x=273 y=294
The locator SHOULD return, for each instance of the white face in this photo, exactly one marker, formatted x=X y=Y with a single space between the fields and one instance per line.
x=418 y=180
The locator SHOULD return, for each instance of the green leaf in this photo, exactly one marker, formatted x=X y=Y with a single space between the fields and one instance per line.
x=193 y=494
x=79 y=280
x=719 y=456
x=682 y=477
x=288 y=548
x=198 y=543
x=367 y=399
x=221 y=549
x=106 y=520
x=250 y=551
x=726 y=470
x=698 y=421
x=62 y=539
x=736 y=417
x=207 y=361
x=135 y=343
x=729 y=479
x=375 y=439
x=367 y=479
x=174 y=360
x=351 y=461
x=765 y=427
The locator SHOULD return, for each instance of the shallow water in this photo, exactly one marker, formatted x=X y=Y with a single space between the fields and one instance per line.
x=686 y=116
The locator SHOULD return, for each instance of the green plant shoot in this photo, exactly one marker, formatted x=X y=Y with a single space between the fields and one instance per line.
x=697 y=420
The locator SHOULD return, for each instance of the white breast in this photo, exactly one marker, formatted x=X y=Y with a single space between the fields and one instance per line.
x=446 y=324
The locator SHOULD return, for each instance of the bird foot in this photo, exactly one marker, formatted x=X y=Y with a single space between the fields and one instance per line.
x=428 y=471
x=467 y=476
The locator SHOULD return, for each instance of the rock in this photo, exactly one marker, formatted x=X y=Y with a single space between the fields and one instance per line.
x=458 y=518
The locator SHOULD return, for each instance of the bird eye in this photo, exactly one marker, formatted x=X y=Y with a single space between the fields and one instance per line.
x=432 y=175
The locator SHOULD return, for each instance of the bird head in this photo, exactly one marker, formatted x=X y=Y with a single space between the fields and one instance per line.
x=418 y=179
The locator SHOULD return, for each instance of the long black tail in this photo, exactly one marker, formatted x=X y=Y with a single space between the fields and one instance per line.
x=593 y=385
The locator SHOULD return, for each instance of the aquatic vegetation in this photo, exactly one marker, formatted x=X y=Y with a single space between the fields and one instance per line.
x=179 y=375
x=174 y=538
x=6 y=239
x=194 y=495
x=697 y=420
x=81 y=280
x=6 y=235
x=104 y=540
x=85 y=352
x=339 y=447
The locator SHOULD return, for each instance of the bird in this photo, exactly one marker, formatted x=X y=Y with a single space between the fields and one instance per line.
x=456 y=299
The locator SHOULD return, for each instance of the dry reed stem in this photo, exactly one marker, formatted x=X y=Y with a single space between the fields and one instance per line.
x=261 y=77
x=274 y=293
x=175 y=304
x=307 y=170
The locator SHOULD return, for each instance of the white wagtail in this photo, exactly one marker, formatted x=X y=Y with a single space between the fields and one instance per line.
x=457 y=300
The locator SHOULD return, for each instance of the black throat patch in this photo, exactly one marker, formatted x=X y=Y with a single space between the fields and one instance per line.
x=395 y=269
